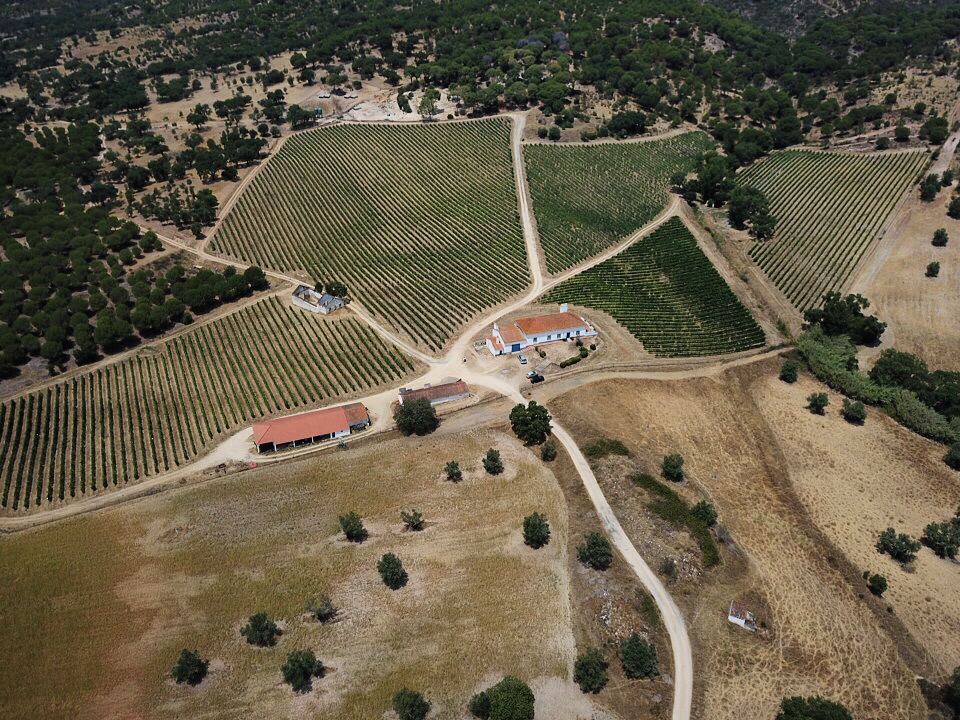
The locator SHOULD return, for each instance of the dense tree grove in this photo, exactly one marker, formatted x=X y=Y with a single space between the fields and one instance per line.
x=812 y=708
x=844 y=316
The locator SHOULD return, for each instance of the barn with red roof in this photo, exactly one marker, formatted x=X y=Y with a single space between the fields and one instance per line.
x=310 y=427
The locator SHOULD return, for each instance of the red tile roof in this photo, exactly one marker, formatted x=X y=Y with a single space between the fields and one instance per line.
x=511 y=334
x=436 y=392
x=739 y=610
x=549 y=323
x=311 y=424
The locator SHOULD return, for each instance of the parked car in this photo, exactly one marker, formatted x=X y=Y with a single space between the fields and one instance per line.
x=538 y=378
x=532 y=373
x=522 y=358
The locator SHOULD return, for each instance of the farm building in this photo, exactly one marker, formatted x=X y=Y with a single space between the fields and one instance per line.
x=531 y=331
x=437 y=394
x=740 y=615
x=311 y=427
x=309 y=299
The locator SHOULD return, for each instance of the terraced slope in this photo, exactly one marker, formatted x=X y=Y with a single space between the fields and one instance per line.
x=166 y=405
x=421 y=222
x=587 y=198
x=829 y=207
x=665 y=291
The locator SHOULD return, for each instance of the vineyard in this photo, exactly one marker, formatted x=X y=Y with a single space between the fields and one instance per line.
x=664 y=290
x=587 y=198
x=421 y=222
x=829 y=208
x=167 y=404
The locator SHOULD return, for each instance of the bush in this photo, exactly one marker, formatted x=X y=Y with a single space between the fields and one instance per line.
x=812 y=708
x=953 y=209
x=933 y=269
x=817 y=403
x=509 y=699
x=668 y=568
x=877 y=584
x=531 y=423
x=392 y=572
x=670 y=506
x=323 y=609
x=901 y=548
x=940 y=237
x=789 y=371
x=705 y=512
x=853 y=412
x=416 y=417
x=952 y=458
x=410 y=705
x=492 y=462
x=672 y=467
x=951 y=691
x=595 y=552
x=603 y=447
x=352 y=527
x=260 y=630
x=453 y=471
x=536 y=530
x=190 y=668
x=548 y=453
x=300 y=669
x=942 y=538
x=413 y=519
x=590 y=671
x=638 y=657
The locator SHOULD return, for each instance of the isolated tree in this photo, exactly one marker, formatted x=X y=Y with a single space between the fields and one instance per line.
x=190 y=668
x=199 y=115
x=953 y=209
x=942 y=538
x=352 y=527
x=531 y=423
x=260 y=630
x=509 y=699
x=705 y=512
x=929 y=187
x=853 y=411
x=817 y=403
x=392 y=572
x=901 y=133
x=416 y=417
x=300 y=669
x=940 y=237
x=901 y=548
x=672 y=467
x=548 y=452
x=322 y=609
x=876 y=583
x=590 y=670
x=812 y=708
x=952 y=458
x=410 y=705
x=536 y=530
x=789 y=370
x=638 y=657
x=883 y=143
x=453 y=471
x=413 y=519
x=933 y=269
x=492 y=462
x=595 y=552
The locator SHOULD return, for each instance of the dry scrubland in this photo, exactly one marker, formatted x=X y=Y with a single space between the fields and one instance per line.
x=104 y=627
x=421 y=222
x=173 y=400
x=742 y=436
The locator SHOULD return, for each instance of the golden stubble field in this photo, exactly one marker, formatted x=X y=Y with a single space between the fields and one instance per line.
x=95 y=610
x=750 y=449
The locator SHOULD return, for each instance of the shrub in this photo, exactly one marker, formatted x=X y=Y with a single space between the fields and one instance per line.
x=951 y=691
x=670 y=506
x=638 y=657
x=352 y=527
x=392 y=572
x=672 y=467
x=595 y=552
x=603 y=447
x=410 y=705
x=413 y=519
x=942 y=538
x=933 y=269
x=877 y=584
x=323 y=609
x=668 y=568
x=812 y=708
x=548 y=453
x=789 y=371
x=817 y=403
x=260 y=630
x=536 y=530
x=416 y=417
x=492 y=462
x=531 y=423
x=705 y=512
x=300 y=669
x=853 y=412
x=953 y=209
x=952 y=458
x=452 y=469
x=940 y=237
x=190 y=668
x=509 y=699
x=590 y=671
x=901 y=548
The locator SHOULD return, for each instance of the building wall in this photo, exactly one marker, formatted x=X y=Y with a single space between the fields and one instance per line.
x=305 y=305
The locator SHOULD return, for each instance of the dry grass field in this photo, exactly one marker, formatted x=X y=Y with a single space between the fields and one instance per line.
x=819 y=636
x=116 y=595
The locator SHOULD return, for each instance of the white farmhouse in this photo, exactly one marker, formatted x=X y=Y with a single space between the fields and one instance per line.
x=529 y=332
x=309 y=299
